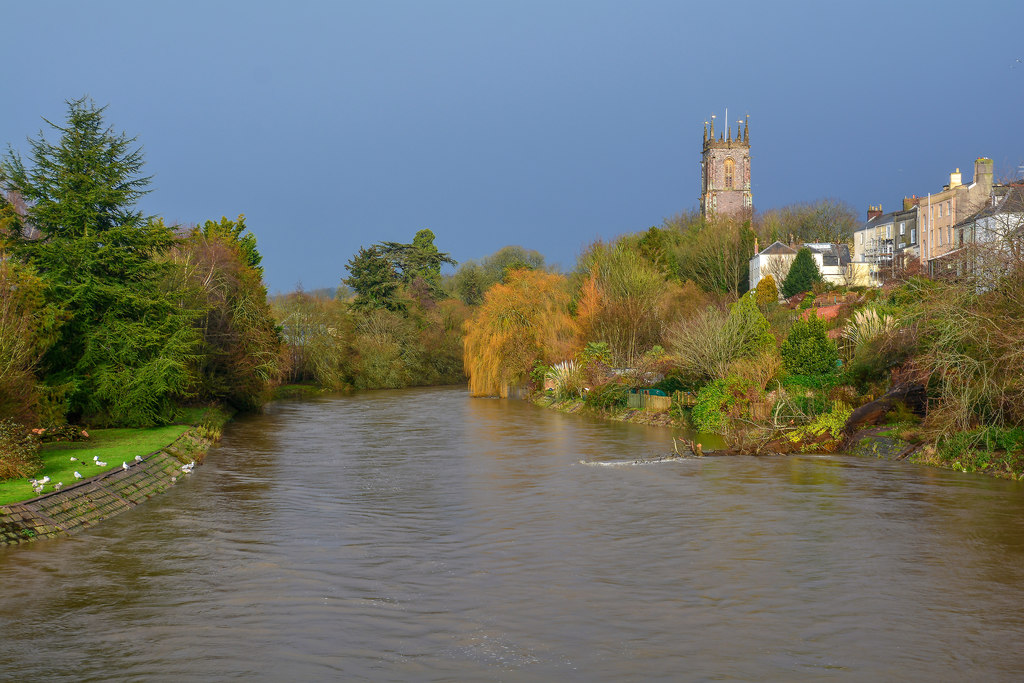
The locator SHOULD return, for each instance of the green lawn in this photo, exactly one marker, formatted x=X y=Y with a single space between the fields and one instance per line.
x=112 y=446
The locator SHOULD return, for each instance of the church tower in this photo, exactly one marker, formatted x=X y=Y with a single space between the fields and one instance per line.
x=725 y=172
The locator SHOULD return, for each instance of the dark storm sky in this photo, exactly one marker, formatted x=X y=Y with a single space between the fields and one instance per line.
x=547 y=124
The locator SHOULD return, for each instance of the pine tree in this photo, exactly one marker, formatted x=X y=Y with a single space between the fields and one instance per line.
x=803 y=273
x=123 y=353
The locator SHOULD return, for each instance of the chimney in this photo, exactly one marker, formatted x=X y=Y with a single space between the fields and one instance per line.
x=955 y=179
x=874 y=212
x=983 y=172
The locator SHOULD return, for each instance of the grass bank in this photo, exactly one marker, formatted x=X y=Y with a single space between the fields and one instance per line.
x=109 y=446
x=112 y=447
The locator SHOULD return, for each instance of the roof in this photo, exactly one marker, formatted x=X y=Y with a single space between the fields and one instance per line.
x=831 y=254
x=777 y=248
x=879 y=220
x=1010 y=201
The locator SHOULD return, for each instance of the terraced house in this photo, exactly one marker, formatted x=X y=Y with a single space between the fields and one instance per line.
x=928 y=227
x=938 y=212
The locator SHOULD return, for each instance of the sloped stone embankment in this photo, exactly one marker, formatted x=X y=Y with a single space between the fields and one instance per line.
x=88 y=502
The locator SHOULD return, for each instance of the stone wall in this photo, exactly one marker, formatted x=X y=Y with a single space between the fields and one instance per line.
x=89 y=501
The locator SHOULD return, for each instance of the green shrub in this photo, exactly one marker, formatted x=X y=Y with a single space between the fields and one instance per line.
x=673 y=382
x=539 y=372
x=808 y=350
x=985 y=449
x=817 y=382
x=706 y=344
x=19 y=451
x=720 y=401
x=707 y=413
x=756 y=332
x=607 y=396
x=767 y=292
x=831 y=422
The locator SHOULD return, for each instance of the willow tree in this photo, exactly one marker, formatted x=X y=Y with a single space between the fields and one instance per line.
x=520 y=322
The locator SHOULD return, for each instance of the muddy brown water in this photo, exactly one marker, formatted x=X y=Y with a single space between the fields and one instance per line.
x=423 y=535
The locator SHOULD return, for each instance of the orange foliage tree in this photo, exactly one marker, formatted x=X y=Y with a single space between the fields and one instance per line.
x=626 y=302
x=524 y=320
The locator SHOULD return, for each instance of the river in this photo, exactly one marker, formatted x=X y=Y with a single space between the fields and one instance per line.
x=424 y=535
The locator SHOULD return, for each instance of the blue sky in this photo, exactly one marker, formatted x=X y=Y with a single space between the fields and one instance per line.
x=333 y=125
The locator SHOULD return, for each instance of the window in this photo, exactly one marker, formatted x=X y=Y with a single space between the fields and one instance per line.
x=940 y=210
x=888 y=232
x=949 y=208
x=730 y=168
x=903 y=228
x=913 y=235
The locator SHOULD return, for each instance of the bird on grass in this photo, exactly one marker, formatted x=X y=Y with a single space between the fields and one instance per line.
x=74 y=459
x=124 y=465
x=58 y=486
x=78 y=475
x=138 y=458
x=101 y=463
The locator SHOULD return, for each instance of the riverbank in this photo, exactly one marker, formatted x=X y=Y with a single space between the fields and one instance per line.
x=975 y=452
x=136 y=472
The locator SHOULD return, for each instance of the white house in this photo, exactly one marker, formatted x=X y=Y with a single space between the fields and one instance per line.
x=833 y=261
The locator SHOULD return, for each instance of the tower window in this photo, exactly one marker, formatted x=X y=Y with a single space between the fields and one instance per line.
x=730 y=167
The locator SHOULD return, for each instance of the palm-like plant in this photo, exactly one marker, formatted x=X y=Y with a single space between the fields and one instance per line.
x=867 y=325
x=567 y=378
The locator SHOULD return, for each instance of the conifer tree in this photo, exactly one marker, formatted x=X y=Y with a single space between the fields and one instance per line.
x=803 y=273
x=122 y=354
x=374 y=280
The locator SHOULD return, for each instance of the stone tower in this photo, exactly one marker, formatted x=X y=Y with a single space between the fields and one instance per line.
x=725 y=172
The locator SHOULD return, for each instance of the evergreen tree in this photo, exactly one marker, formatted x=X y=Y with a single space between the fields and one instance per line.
x=374 y=280
x=808 y=350
x=419 y=260
x=123 y=353
x=803 y=273
x=376 y=274
x=469 y=284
